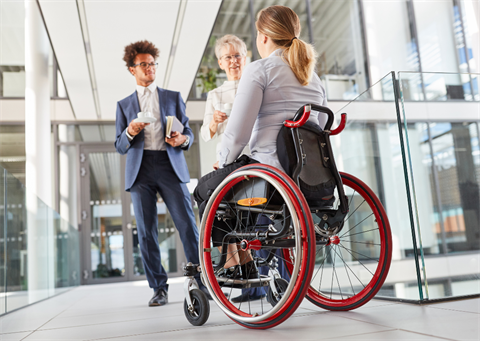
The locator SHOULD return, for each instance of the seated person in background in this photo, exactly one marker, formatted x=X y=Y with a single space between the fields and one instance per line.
x=270 y=91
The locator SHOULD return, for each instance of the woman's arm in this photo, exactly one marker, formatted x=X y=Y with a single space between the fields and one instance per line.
x=207 y=119
x=244 y=113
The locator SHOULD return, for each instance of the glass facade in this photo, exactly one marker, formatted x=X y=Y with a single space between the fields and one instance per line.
x=354 y=48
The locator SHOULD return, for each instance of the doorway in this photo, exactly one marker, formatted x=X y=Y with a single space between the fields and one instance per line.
x=110 y=247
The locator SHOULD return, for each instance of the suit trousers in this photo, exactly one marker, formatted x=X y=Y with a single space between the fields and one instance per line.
x=157 y=175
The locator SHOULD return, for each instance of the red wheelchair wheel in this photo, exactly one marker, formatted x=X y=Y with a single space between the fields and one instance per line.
x=285 y=206
x=350 y=270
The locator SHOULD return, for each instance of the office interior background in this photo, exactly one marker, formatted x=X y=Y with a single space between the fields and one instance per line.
x=406 y=72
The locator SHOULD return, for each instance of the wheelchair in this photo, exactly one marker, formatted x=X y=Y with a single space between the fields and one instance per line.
x=336 y=248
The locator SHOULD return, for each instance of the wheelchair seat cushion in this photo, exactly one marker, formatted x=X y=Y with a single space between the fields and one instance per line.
x=316 y=181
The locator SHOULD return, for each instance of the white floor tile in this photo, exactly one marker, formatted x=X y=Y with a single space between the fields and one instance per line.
x=467 y=306
x=120 y=312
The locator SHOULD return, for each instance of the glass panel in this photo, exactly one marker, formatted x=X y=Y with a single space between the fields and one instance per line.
x=19 y=217
x=39 y=251
x=3 y=242
x=445 y=161
x=437 y=86
x=66 y=251
x=369 y=148
x=339 y=46
x=107 y=240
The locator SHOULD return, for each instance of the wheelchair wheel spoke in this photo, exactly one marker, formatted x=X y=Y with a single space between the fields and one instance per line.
x=357 y=224
x=359 y=261
x=346 y=266
x=354 y=234
x=333 y=274
x=361 y=254
x=358 y=242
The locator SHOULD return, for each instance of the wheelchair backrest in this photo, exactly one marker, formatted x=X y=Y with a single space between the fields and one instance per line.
x=316 y=180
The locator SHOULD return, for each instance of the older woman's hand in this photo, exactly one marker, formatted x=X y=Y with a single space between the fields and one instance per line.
x=219 y=116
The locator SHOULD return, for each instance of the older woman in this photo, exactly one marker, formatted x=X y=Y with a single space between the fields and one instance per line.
x=231 y=53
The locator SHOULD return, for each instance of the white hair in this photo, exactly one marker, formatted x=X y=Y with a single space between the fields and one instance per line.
x=232 y=40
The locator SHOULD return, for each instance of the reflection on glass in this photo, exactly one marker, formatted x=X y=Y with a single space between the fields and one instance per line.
x=107 y=240
x=446 y=170
x=166 y=240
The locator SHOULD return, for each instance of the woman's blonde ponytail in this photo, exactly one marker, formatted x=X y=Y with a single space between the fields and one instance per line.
x=282 y=25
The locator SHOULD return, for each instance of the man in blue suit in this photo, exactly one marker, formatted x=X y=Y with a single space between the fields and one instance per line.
x=155 y=164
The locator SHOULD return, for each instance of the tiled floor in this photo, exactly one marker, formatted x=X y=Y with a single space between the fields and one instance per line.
x=120 y=312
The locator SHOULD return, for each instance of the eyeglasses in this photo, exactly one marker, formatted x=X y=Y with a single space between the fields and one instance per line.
x=146 y=66
x=230 y=57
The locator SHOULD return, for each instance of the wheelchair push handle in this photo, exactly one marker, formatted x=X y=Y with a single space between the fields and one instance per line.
x=299 y=122
x=302 y=115
x=341 y=126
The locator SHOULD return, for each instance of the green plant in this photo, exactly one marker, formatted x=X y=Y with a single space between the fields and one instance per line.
x=209 y=79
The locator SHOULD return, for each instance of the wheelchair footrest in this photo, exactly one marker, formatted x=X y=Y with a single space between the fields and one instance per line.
x=226 y=282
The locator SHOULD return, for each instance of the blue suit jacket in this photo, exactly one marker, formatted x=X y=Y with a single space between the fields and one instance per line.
x=171 y=104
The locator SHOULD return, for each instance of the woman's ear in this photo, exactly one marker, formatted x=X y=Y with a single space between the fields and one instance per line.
x=220 y=64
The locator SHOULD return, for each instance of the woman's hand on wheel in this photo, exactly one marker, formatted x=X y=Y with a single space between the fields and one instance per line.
x=216 y=165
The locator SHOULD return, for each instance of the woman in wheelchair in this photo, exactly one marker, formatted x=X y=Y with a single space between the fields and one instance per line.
x=258 y=215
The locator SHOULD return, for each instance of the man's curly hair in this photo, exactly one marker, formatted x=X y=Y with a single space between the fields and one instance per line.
x=133 y=49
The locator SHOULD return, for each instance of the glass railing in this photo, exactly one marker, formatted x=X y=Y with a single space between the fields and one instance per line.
x=421 y=157
x=370 y=148
x=39 y=251
x=443 y=156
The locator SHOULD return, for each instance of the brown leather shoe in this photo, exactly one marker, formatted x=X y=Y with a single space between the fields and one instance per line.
x=160 y=297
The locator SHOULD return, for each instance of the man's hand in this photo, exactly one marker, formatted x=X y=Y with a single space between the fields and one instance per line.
x=216 y=165
x=176 y=140
x=134 y=128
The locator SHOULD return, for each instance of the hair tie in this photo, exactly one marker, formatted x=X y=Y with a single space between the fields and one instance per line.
x=293 y=40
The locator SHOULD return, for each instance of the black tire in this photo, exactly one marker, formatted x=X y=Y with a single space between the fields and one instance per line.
x=281 y=285
x=201 y=308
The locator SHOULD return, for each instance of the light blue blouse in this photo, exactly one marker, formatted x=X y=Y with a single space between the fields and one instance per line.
x=267 y=95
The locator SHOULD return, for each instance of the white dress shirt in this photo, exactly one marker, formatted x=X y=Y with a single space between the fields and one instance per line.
x=216 y=100
x=149 y=101
x=267 y=95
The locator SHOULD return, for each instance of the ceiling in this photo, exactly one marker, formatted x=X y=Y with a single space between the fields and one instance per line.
x=89 y=37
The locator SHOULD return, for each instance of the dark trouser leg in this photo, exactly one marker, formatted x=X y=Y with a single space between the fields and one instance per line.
x=144 y=199
x=177 y=198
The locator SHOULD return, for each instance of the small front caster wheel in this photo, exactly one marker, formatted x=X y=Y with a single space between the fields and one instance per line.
x=281 y=286
x=198 y=314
